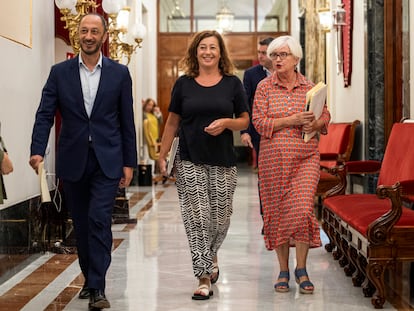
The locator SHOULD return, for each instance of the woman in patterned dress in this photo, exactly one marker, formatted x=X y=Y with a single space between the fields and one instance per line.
x=288 y=166
x=207 y=103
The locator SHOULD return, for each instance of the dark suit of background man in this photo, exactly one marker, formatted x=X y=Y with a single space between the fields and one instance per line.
x=251 y=79
x=96 y=150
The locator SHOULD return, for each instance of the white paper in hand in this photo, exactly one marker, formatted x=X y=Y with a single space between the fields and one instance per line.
x=44 y=188
x=171 y=156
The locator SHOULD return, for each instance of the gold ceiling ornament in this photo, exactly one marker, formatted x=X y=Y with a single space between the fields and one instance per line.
x=118 y=25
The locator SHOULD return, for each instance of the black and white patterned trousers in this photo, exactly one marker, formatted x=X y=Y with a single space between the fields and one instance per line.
x=205 y=194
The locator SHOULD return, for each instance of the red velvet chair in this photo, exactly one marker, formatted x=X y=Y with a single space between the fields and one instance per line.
x=371 y=233
x=335 y=149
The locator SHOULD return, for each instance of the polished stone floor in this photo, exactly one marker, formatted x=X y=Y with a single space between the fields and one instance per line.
x=151 y=267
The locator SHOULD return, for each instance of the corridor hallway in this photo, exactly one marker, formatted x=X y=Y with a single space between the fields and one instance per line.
x=151 y=266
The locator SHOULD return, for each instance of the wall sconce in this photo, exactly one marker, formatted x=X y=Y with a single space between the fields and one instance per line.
x=325 y=19
x=118 y=15
x=339 y=21
x=118 y=21
x=224 y=18
x=339 y=16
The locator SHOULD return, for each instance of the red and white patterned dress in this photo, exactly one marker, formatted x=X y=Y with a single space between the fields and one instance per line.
x=288 y=167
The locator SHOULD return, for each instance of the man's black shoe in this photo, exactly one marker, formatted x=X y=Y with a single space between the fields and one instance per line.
x=84 y=293
x=98 y=300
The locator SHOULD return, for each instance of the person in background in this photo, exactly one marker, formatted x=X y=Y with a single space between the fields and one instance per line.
x=96 y=150
x=154 y=115
x=288 y=167
x=251 y=78
x=207 y=104
x=152 y=121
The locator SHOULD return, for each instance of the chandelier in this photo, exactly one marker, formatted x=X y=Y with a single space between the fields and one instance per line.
x=224 y=18
x=176 y=12
x=118 y=22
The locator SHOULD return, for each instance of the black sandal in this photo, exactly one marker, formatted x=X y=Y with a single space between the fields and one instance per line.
x=204 y=292
x=215 y=274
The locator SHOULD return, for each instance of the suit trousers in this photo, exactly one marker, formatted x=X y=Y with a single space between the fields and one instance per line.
x=90 y=202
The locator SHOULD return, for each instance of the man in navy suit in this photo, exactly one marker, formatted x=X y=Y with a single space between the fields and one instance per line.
x=251 y=79
x=96 y=150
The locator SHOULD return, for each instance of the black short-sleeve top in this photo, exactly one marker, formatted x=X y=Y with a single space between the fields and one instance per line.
x=198 y=106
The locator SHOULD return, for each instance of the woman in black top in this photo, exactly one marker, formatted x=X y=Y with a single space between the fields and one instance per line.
x=207 y=103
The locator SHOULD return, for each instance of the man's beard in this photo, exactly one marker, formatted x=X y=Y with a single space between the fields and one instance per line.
x=91 y=52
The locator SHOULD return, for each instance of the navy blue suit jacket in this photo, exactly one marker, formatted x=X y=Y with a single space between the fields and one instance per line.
x=110 y=126
x=251 y=79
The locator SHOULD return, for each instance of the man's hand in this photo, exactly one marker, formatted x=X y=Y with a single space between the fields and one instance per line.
x=246 y=140
x=35 y=161
x=126 y=180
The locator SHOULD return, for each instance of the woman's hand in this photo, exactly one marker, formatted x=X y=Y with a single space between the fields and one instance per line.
x=6 y=165
x=216 y=127
x=162 y=164
x=302 y=118
x=308 y=127
x=157 y=112
x=312 y=126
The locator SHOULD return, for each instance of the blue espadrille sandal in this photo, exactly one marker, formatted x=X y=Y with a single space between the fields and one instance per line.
x=283 y=287
x=302 y=285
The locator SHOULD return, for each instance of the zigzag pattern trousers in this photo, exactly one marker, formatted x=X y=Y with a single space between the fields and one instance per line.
x=205 y=194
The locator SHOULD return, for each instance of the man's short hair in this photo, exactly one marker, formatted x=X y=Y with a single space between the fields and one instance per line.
x=266 y=41
x=103 y=20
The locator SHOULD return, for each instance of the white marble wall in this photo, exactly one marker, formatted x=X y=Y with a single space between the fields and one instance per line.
x=23 y=72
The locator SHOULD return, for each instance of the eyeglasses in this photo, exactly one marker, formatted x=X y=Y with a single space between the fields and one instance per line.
x=282 y=55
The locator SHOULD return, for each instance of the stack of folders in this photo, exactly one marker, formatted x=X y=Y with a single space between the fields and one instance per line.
x=315 y=101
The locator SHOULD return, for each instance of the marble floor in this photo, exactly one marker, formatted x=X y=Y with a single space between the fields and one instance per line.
x=151 y=267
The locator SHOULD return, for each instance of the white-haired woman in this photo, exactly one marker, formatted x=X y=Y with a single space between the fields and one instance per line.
x=288 y=166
